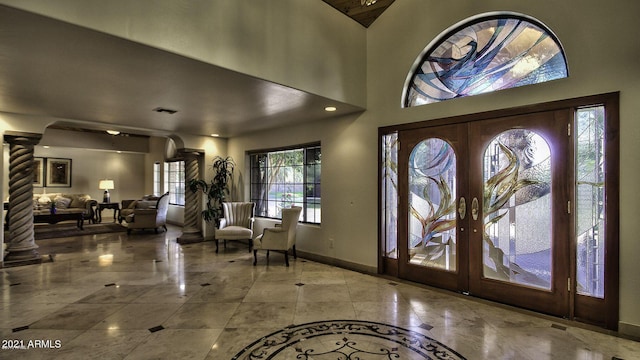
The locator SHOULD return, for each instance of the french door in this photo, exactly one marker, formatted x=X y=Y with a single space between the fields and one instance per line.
x=435 y=250
x=520 y=236
x=494 y=208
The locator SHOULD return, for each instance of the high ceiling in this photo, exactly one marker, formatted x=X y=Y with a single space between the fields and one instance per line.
x=52 y=68
x=359 y=11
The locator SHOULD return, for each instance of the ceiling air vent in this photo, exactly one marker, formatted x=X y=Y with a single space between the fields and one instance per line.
x=165 y=110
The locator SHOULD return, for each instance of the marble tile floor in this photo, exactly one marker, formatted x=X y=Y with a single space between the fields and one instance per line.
x=143 y=296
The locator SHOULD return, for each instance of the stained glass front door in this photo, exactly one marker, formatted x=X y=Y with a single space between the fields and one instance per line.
x=519 y=208
x=433 y=208
x=481 y=205
x=519 y=238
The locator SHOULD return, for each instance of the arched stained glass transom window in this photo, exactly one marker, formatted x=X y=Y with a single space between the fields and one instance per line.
x=485 y=54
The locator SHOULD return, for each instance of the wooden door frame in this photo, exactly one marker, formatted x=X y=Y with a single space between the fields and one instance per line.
x=609 y=306
x=600 y=312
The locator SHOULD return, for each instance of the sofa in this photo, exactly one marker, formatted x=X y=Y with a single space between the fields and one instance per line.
x=66 y=203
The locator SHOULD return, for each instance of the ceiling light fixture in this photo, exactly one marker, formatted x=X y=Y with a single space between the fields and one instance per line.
x=113 y=132
x=330 y=108
x=215 y=135
x=367 y=2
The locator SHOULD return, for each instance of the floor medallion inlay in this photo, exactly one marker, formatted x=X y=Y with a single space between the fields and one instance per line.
x=346 y=339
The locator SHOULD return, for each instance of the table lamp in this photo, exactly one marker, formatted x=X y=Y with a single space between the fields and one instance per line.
x=106 y=185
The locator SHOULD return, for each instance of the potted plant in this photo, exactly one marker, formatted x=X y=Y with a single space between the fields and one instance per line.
x=217 y=189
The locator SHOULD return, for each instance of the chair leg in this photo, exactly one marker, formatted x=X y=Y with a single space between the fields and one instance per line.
x=255 y=257
x=216 y=246
x=286 y=258
x=225 y=243
x=250 y=244
x=294 y=252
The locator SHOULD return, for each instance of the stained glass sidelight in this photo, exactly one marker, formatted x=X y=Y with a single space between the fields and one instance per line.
x=517 y=208
x=432 y=205
x=389 y=196
x=590 y=204
x=485 y=55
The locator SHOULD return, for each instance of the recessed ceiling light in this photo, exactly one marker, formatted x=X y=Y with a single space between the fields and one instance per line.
x=330 y=108
x=113 y=132
x=215 y=135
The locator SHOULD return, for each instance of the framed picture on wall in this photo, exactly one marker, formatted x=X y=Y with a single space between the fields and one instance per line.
x=38 y=172
x=58 y=172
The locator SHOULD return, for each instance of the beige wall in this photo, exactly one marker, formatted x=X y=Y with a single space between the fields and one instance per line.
x=274 y=40
x=602 y=56
x=343 y=207
x=88 y=167
x=602 y=51
x=599 y=39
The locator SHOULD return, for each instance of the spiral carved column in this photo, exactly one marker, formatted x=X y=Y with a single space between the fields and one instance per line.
x=22 y=246
x=190 y=231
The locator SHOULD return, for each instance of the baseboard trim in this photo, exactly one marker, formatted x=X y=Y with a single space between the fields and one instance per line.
x=629 y=330
x=337 y=262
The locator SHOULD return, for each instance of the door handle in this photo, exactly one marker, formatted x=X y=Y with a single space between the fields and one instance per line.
x=474 y=208
x=462 y=208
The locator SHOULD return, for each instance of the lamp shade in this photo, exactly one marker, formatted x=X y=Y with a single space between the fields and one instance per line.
x=106 y=184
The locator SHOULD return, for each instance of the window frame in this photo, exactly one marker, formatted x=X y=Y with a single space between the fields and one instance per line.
x=174 y=194
x=309 y=181
x=157 y=176
x=458 y=27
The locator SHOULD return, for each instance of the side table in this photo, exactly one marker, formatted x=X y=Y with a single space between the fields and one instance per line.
x=110 y=205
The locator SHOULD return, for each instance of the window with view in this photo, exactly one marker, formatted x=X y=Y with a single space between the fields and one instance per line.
x=287 y=177
x=156 y=179
x=174 y=181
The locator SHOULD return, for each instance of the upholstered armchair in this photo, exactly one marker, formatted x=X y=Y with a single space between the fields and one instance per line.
x=149 y=218
x=128 y=206
x=237 y=223
x=282 y=237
